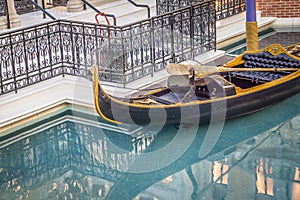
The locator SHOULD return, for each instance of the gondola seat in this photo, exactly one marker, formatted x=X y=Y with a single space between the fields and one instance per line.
x=179 y=84
x=213 y=86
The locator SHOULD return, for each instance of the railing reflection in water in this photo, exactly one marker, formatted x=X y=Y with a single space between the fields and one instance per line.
x=73 y=158
x=62 y=150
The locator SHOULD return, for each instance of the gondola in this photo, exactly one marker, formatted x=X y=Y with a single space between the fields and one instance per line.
x=200 y=94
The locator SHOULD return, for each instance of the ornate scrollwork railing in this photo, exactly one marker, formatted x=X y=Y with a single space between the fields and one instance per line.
x=224 y=8
x=127 y=53
x=2 y=8
x=24 y=6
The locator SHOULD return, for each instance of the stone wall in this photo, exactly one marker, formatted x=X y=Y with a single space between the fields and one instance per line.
x=279 y=8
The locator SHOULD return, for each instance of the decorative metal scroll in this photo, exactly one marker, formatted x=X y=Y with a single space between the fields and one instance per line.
x=227 y=8
x=148 y=46
x=126 y=53
x=2 y=8
x=224 y=8
x=23 y=6
x=57 y=2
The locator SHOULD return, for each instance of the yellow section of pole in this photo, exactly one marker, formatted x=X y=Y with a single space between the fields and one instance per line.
x=251 y=36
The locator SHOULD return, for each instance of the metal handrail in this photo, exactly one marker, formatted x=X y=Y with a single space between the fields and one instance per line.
x=141 y=5
x=102 y=14
x=98 y=11
x=129 y=52
x=43 y=10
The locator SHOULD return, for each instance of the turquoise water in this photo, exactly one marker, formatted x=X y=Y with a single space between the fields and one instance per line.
x=74 y=156
x=285 y=37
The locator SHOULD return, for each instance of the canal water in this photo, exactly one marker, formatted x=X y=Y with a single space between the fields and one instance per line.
x=284 y=37
x=75 y=156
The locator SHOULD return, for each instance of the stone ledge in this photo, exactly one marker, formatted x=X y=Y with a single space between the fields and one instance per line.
x=43 y=96
x=235 y=31
x=287 y=24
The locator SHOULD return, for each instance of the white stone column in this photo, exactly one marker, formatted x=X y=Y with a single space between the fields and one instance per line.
x=13 y=16
x=74 y=6
x=3 y=23
x=99 y=2
x=40 y=3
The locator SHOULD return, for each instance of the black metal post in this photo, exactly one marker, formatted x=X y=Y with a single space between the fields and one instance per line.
x=141 y=5
x=215 y=27
x=42 y=9
x=98 y=11
x=43 y=4
x=173 y=55
x=13 y=64
x=192 y=31
x=152 y=47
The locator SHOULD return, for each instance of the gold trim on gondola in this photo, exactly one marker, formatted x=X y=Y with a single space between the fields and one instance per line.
x=94 y=70
x=239 y=92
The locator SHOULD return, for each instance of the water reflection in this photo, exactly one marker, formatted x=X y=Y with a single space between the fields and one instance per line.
x=257 y=156
x=66 y=160
x=285 y=37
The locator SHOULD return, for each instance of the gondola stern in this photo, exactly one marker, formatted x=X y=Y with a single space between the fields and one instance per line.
x=273 y=49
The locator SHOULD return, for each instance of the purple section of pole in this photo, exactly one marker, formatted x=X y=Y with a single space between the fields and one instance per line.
x=250 y=10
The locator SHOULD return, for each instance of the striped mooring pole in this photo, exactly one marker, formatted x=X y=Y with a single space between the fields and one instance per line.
x=251 y=26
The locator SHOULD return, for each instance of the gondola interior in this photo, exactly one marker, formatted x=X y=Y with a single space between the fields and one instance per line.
x=182 y=88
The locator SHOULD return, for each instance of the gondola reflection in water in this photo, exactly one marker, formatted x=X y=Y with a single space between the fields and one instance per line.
x=72 y=159
x=249 y=83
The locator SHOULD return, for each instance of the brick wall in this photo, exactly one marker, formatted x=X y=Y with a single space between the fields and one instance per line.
x=279 y=8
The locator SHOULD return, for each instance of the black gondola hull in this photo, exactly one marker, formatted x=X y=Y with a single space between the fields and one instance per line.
x=198 y=113
x=240 y=93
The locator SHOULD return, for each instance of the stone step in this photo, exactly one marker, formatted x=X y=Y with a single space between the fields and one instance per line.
x=124 y=11
x=233 y=29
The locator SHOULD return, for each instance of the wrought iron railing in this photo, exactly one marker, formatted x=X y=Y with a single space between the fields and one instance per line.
x=4 y=12
x=2 y=8
x=130 y=52
x=227 y=8
x=224 y=8
x=24 y=6
x=57 y=2
x=21 y=6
